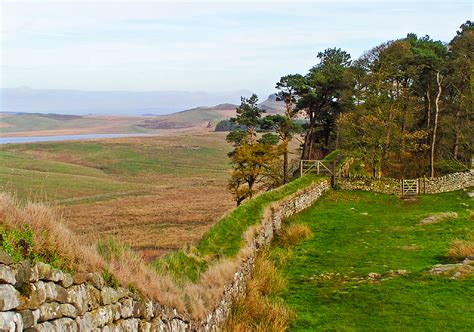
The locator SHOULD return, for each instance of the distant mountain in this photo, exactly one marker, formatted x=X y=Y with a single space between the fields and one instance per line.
x=207 y=117
x=272 y=105
x=199 y=116
x=18 y=100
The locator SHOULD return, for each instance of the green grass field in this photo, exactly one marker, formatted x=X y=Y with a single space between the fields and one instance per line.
x=38 y=122
x=357 y=233
x=62 y=170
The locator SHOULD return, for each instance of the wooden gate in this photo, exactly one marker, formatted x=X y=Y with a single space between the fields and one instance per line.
x=314 y=166
x=410 y=187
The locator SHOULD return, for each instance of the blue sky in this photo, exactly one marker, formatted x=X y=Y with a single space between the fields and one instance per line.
x=198 y=46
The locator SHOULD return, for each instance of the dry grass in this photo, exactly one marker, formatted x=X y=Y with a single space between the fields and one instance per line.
x=295 y=233
x=129 y=268
x=258 y=311
x=154 y=224
x=50 y=236
x=461 y=249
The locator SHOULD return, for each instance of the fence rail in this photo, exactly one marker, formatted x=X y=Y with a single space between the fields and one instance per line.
x=410 y=187
x=314 y=166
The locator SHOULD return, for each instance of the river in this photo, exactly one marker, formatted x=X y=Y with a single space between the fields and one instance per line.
x=33 y=139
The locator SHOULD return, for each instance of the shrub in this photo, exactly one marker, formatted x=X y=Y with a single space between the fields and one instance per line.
x=18 y=243
x=36 y=232
x=461 y=249
x=260 y=309
x=293 y=234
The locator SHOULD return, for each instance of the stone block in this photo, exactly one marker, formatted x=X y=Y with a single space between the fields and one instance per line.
x=7 y=275
x=67 y=281
x=109 y=295
x=93 y=278
x=49 y=311
x=128 y=325
x=102 y=316
x=5 y=258
x=55 y=293
x=29 y=317
x=23 y=273
x=35 y=298
x=49 y=273
x=34 y=275
x=11 y=321
x=85 y=323
x=43 y=327
x=144 y=326
x=126 y=310
x=68 y=310
x=77 y=296
x=9 y=297
x=65 y=325
x=93 y=297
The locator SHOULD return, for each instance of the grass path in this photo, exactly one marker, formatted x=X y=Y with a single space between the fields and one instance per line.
x=358 y=233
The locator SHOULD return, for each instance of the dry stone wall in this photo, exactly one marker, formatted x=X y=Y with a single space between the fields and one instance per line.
x=384 y=185
x=38 y=297
x=450 y=182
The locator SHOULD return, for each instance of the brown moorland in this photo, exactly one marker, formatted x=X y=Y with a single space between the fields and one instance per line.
x=157 y=194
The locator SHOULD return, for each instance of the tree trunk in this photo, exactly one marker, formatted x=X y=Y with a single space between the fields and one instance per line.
x=308 y=142
x=251 y=134
x=435 y=125
x=285 y=161
x=428 y=111
x=456 y=135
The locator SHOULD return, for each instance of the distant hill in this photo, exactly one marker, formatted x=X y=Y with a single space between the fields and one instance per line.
x=199 y=116
x=272 y=105
x=207 y=116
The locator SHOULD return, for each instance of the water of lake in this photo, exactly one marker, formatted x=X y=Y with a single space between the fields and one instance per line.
x=32 y=139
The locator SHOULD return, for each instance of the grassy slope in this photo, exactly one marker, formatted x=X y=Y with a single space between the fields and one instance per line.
x=35 y=122
x=59 y=170
x=225 y=238
x=38 y=179
x=348 y=242
x=131 y=157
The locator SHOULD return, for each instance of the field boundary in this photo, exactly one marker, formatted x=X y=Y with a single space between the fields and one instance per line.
x=446 y=183
x=57 y=300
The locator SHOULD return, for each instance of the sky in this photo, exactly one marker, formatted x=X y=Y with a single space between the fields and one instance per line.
x=198 y=46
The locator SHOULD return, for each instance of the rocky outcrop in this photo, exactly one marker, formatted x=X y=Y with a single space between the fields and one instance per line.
x=38 y=297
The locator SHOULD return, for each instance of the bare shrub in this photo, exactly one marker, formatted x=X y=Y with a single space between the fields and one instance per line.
x=50 y=236
x=461 y=249
x=295 y=233
x=258 y=311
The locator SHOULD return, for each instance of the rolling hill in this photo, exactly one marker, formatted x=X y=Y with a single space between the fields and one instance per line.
x=207 y=117
x=195 y=119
